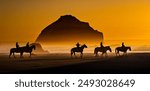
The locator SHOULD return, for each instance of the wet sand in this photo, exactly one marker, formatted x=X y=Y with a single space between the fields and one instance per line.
x=63 y=63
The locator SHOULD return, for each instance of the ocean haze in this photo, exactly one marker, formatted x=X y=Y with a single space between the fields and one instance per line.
x=136 y=45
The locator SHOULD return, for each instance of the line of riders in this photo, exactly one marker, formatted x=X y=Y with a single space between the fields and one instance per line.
x=102 y=49
x=101 y=45
x=28 y=49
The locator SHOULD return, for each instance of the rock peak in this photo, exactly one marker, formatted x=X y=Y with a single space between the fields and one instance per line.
x=69 y=30
x=68 y=18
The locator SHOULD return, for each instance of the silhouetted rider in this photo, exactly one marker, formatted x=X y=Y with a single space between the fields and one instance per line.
x=123 y=44
x=78 y=45
x=101 y=44
x=17 y=45
x=27 y=45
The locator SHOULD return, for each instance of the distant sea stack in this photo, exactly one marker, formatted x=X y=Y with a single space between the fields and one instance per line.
x=69 y=30
x=39 y=49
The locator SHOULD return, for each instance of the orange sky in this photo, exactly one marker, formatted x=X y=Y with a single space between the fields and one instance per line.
x=23 y=20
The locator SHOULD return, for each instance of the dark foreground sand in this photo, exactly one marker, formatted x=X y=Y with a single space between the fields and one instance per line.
x=63 y=63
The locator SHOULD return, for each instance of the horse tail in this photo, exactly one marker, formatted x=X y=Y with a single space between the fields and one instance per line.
x=10 y=53
x=71 y=52
x=95 y=51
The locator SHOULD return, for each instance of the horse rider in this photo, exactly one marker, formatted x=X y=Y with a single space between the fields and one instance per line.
x=27 y=45
x=78 y=45
x=101 y=44
x=123 y=45
x=17 y=45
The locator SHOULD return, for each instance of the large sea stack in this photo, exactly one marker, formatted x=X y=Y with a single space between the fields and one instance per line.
x=69 y=30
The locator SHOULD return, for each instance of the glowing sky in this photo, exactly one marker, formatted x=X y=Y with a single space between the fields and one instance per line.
x=23 y=20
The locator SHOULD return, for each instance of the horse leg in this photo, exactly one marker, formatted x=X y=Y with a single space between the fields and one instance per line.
x=96 y=54
x=106 y=55
x=30 y=54
x=10 y=54
x=71 y=53
x=125 y=53
x=14 y=55
x=102 y=54
x=118 y=53
x=74 y=54
x=21 y=55
x=81 y=54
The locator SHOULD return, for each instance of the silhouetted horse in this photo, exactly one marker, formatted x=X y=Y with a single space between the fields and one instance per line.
x=102 y=49
x=122 y=49
x=80 y=49
x=21 y=50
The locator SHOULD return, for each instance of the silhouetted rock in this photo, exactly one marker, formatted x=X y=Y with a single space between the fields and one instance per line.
x=39 y=48
x=68 y=29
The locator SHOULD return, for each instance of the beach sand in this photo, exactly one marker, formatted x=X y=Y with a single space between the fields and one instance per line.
x=58 y=63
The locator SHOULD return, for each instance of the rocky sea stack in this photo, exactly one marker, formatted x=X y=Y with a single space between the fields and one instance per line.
x=69 y=30
x=39 y=49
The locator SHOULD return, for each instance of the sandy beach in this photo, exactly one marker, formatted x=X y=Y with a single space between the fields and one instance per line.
x=62 y=63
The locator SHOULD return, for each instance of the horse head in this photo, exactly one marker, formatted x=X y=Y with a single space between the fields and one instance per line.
x=129 y=48
x=84 y=46
x=33 y=47
x=109 y=49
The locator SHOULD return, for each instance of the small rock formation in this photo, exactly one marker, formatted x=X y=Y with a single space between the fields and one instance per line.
x=39 y=49
x=69 y=30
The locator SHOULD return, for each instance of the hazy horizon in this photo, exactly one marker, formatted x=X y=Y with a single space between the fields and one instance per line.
x=136 y=45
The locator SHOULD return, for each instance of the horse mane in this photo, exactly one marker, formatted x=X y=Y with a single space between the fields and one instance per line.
x=107 y=46
x=128 y=47
x=32 y=45
x=83 y=45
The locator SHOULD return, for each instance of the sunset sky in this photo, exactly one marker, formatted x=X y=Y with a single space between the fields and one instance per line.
x=23 y=20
